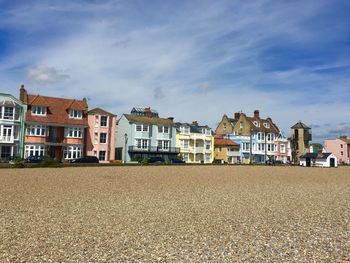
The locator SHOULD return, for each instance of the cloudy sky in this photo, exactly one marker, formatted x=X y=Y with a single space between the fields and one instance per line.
x=193 y=60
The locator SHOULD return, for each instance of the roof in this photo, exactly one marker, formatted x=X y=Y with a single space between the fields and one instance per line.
x=149 y=120
x=100 y=112
x=224 y=142
x=300 y=125
x=57 y=110
x=345 y=139
x=193 y=128
x=272 y=126
x=316 y=156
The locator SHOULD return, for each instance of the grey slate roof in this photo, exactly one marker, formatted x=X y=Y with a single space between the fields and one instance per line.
x=299 y=125
x=100 y=111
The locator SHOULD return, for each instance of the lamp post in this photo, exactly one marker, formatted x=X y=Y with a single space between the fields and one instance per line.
x=125 y=143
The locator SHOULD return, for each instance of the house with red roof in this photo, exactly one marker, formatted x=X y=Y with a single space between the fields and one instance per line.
x=226 y=150
x=54 y=127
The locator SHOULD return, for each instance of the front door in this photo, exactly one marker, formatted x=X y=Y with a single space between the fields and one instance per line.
x=332 y=162
x=308 y=162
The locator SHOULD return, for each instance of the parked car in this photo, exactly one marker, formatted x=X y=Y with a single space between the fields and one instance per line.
x=177 y=161
x=86 y=159
x=156 y=159
x=34 y=159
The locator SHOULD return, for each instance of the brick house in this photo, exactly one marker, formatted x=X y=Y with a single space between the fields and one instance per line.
x=54 y=127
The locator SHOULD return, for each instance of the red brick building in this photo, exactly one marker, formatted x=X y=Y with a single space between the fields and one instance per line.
x=55 y=127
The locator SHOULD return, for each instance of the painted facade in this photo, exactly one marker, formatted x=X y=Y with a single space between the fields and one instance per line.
x=143 y=134
x=196 y=142
x=283 y=149
x=300 y=140
x=100 y=139
x=340 y=147
x=318 y=160
x=12 y=117
x=256 y=136
x=54 y=127
x=227 y=151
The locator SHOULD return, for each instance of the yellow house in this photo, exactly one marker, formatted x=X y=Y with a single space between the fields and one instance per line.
x=196 y=142
x=226 y=150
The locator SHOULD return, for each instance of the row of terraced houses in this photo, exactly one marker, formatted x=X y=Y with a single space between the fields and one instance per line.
x=64 y=129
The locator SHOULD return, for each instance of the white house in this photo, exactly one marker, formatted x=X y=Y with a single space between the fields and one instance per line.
x=322 y=160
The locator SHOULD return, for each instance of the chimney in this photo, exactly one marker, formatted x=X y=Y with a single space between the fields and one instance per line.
x=23 y=95
x=85 y=102
x=195 y=123
x=343 y=137
x=237 y=114
x=148 y=112
x=256 y=114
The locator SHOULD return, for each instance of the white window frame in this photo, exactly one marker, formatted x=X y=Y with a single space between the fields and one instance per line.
x=142 y=144
x=185 y=130
x=74 y=132
x=104 y=155
x=72 y=152
x=37 y=130
x=184 y=144
x=101 y=121
x=142 y=127
x=101 y=137
x=75 y=114
x=36 y=149
x=39 y=110
x=163 y=129
x=163 y=144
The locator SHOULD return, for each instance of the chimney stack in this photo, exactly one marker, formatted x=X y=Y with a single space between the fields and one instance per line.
x=148 y=112
x=256 y=114
x=171 y=118
x=195 y=123
x=23 y=95
x=237 y=114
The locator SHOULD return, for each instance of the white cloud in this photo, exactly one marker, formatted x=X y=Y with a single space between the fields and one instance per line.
x=43 y=75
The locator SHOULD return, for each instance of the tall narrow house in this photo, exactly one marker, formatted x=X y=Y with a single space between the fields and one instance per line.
x=100 y=139
x=55 y=127
x=300 y=140
x=12 y=113
x=142 y=134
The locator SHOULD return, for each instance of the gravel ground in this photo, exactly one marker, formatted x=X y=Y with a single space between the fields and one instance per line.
x=175 y=214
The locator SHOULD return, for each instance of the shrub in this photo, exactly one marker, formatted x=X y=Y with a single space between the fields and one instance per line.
x=144 y=161
x=17 y=163
x=50 y=163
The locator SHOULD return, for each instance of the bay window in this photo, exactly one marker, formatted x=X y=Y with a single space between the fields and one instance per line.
x=72 y=152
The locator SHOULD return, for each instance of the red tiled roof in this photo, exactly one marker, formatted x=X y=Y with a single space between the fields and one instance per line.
x=57 y=112
x=224 y=142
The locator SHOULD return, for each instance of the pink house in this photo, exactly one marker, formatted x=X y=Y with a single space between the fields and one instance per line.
x=340 y=147
x=100 y=141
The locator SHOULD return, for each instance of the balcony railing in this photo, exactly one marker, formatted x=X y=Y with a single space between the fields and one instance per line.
x=6 y=139
x=154 y=149
x=233 y=153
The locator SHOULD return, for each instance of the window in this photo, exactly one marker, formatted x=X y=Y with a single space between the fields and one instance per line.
x=185 y=130
x=266 y=125
x=37 y=130
x=1 y=112
x=163 y=129
x=35 y=150
x=39 y=110
x=103 y=121
x=163 y=145
x=246 y=146
x=224 y=126
x=259 y=136
x=102 y=155
x=207 y=146
x=341 y=153
x=262 y=136
x=75 y=114
x=208 y=131
x=72 y=152
x=268 y=137
x=283 y=148
x=259 y=146
x=103 y=137
x=263 y=147
x=8 y=113
x=97 y=120
x=241 y=125
x=184 y=144
x=142 y=127
x=341 y=146
x=269 y=147
x=142 y=144
x=73 y=132
x=207 y=158
x=257 y=124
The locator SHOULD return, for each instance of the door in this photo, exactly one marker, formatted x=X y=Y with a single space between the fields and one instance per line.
x=332 y=162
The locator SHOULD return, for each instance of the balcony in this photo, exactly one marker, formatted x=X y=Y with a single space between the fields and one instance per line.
x=199 y=149
x=233 y=154
x=154 y=149
x=6 y=139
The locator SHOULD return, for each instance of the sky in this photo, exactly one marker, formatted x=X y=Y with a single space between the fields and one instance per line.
x=191 y=60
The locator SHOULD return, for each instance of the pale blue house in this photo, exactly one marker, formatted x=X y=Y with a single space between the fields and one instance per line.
x=12 y=117
x=142 y=134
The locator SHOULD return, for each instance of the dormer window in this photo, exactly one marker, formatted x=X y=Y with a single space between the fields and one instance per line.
x=257 y=124
x=75 y=114
x=185 y=130
x=266 y=125
x=39 y=110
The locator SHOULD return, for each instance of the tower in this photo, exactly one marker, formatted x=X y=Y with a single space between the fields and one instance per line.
x=300 y=139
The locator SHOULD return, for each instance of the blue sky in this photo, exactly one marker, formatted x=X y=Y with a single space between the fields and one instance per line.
x=193 y=60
